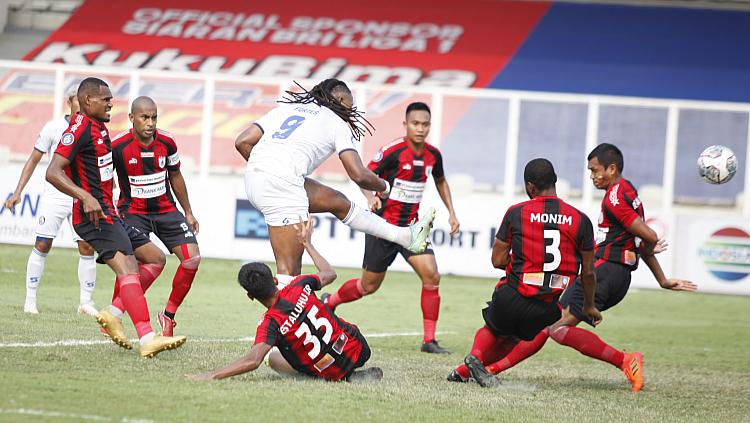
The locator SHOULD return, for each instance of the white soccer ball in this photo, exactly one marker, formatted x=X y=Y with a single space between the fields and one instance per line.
x=717 y=164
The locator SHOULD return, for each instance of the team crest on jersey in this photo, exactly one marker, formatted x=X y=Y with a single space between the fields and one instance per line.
x=133 y=161
x=406 y=166
x=41 y=220
x=378 y=156
x=162 y=161
x=67 y=139
x=613 y=196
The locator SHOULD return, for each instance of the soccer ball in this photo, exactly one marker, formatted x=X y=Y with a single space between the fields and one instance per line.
x=717 y=164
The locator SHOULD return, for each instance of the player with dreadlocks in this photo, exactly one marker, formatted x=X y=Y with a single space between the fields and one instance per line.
x=282 y=149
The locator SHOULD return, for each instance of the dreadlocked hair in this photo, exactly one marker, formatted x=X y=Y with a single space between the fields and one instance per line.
x=323 y=95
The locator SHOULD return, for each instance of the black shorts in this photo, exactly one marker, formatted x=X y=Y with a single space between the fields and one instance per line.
x=612 y=283
x=111 y=238
x=380 y=253
x=171 y=228
x=511 y=314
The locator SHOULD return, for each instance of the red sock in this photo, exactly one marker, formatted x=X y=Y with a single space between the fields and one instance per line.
x=135 y=303
x=148 y=273
x=487 y=348
x=587 y=343
x=183 y=280
x=351 y=290
x=430 y=310
x=520 y=352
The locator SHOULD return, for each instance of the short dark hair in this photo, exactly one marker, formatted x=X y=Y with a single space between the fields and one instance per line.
x=256 y=278
x=417 y=105
x=541 y=173
x=608 y=154
x=89 y=84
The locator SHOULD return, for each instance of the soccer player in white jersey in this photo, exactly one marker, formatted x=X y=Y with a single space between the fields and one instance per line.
x=286 y=145
x=54 y=209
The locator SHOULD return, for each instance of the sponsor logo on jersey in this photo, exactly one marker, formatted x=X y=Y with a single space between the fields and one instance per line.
x=726 y=254
x=147 y=154
x=67 y=139
x=418 y=163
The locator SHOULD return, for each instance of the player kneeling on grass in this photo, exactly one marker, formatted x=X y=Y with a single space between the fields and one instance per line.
x=311 y=339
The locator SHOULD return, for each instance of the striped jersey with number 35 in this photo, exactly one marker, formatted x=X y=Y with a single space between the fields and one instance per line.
x=310 y=337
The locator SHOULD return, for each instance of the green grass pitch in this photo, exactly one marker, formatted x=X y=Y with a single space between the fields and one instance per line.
x=696 y=348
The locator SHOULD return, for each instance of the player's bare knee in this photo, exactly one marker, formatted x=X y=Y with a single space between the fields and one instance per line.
x=85 y=249
x=431 y=281
x=43 y=245
x=192 y=262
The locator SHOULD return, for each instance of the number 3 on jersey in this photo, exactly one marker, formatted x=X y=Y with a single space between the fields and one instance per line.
x=553 y=249
x=287 y=127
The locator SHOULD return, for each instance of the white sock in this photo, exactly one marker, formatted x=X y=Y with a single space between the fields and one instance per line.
x=87 y=277
x=146 y=338
x=34 y=270
x=282 y=281
x=116 y=311
x=370 y=223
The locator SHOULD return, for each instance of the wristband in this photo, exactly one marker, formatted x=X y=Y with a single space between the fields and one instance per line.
x=387 y=191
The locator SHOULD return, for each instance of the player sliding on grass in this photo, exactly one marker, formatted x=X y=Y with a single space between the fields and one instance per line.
x=311 y=339
x=623 y=236
x=286 y=145
x=82 y=168
x=406 y=164
x=542 y=244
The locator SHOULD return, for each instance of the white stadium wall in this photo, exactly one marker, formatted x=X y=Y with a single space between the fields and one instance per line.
x=713 y=251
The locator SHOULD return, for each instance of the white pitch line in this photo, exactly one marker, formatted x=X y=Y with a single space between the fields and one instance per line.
x=61 y=414
x=87 y=342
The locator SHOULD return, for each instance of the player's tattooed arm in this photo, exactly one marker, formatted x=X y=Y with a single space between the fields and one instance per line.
x=247 y=363
x=57 y=177
x=177 y=181
x=28 y=170
x=304 y=235
x=500 y=254
x=247 y=139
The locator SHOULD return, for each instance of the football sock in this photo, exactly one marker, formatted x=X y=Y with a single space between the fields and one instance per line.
x=283 y=280
x=430 y=302
x=587 y=343
x=146 y=338
x=520 y=352
x=351 y=290
x=148 y=273
x=183 y=280
x=86 y=278
x=365 y=221
x=134 y=302
x=34 y=269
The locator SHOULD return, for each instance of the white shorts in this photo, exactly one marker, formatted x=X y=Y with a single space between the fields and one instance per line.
x=281 y=202
x=53 y=213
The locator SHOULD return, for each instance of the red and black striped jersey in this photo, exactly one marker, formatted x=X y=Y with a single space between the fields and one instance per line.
x=86 y=144
x=620 y=208
x=546 y=236
x=310 y=337
x=143 y=172
x=407 y=172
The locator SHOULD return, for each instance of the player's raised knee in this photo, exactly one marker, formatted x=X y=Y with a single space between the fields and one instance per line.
x=192 y=262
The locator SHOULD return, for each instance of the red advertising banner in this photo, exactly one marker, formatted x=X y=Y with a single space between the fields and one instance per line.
x=422 y=42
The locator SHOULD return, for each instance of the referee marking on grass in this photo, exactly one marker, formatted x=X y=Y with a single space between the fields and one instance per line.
x=64 y=415
x=87 y=342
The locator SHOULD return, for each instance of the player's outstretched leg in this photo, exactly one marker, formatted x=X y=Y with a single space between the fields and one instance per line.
x=370 y=374
x=520 y=352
